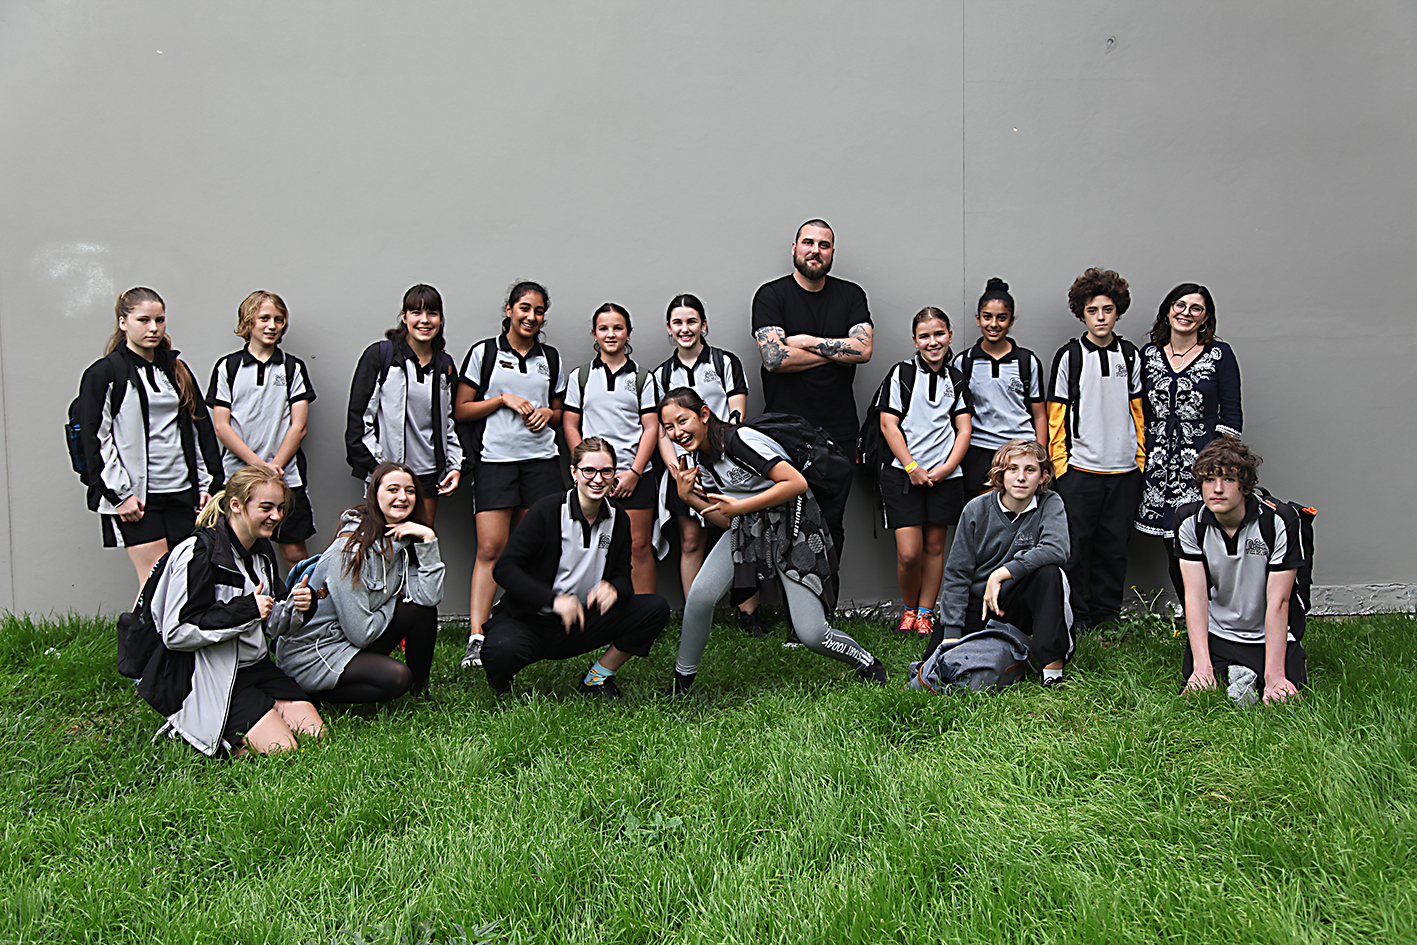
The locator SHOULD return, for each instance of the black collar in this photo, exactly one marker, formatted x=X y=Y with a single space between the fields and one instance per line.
x=1011 y=355
x=578 y=513
x=506 y=346
x=944 y=365
x=277 y=357
x=1090 y=345
x=627 y=368
x=1252 y=512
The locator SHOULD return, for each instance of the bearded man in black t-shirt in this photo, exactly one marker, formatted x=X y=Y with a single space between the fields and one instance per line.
x=812 y=330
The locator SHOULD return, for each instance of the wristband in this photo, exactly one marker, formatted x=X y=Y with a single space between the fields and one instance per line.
x=912 y=467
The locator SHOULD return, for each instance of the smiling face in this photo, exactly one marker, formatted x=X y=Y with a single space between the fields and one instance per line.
x=611 y=333
x=269 y=325
x=686 y=327
x=423 y=324
x=594 y=475
x=261 y=514
x=528 y=314
x=1100 y=317
x=396 y=496
x=1188 y=314
x=812 y=252
x=144 y=325
x=684 y=427
x=994 y=321
x=932 y=340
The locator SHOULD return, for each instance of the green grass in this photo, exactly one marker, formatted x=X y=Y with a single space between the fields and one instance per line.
x=781 y=802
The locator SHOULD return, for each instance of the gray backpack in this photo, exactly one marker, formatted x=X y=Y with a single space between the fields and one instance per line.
x=992 y=658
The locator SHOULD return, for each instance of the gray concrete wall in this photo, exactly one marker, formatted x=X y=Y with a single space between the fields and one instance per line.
x=337 y=153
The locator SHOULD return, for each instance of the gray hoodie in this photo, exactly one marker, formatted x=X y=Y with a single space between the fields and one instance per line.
x=986 y=539
x=354 y=615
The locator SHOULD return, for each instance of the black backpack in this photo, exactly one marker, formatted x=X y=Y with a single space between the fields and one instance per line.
x=872 y=450
x=992 y=658
x=73 y=439
x=1300 y=600
x=470 y=431
x=825 y=466
x=1074 y=349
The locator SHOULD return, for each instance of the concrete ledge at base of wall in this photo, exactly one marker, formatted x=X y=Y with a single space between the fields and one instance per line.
x=1341 y=600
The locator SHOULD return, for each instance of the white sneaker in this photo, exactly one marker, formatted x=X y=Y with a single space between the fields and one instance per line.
x=473 y=656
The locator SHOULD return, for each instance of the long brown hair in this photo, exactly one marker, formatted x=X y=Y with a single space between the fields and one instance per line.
x=187 y=391
x=372 y=524
x=689 y=399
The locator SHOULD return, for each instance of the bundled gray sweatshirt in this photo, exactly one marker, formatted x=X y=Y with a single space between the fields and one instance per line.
x=355 y=614
x=986 y=540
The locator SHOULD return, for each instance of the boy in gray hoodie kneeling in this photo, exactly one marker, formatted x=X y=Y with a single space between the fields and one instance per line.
x=1007 y=560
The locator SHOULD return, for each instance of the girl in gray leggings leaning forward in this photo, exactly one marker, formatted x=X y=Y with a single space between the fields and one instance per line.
x=744 y=484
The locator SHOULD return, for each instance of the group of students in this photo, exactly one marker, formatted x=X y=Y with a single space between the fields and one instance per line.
x=1040 y=542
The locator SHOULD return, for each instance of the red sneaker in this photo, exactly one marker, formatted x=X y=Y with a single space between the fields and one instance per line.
x=924 y=624
x=907 y=621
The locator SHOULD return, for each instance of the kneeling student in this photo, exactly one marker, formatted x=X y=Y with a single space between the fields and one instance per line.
x=1238 y=581
x=566 y=576
x=1007 y=560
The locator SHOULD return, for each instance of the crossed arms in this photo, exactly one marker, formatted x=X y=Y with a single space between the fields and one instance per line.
x=792 y=353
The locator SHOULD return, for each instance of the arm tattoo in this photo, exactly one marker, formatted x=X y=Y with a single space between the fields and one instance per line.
x=770 y=346
x=834 y=347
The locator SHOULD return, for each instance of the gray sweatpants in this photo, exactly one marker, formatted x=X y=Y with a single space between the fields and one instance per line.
x=808 y=618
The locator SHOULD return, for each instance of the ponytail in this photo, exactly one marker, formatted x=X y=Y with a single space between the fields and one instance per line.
x=239 y=487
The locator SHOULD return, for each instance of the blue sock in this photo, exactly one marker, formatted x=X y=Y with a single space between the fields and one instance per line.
x=597 y=675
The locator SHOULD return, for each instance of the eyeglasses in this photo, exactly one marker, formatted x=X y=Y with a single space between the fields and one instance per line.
x=1179 y=307
x=606 y=472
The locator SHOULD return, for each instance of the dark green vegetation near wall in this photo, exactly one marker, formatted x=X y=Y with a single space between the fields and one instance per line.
x=783 y=802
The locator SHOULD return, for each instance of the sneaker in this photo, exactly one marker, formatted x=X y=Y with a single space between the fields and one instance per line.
x=751 y=625
x=607 y=691
x=792 y=642
x=875 y=673
x=473 y=656
x=924 y=624
x=907 y=621
x=680 y=685
x=1054 y=682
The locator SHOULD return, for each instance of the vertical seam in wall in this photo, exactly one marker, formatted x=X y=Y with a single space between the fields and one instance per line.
x=9 y=505
x=963 y=167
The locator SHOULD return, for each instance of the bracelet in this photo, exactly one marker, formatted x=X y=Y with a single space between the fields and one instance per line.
x=912 y=467
x=637 y=472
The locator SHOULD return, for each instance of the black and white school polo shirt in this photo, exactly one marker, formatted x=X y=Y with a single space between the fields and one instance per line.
x=702 y=377
x=611 y=408
x=1102 y=427
x=506 y=438
x=928 y=421
x=585 y=548
x=259 y=395
x=1001 y=402
x=1238 y=567
x=742 y=471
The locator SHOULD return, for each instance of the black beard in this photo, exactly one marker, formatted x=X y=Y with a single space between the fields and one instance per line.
x=801 y=266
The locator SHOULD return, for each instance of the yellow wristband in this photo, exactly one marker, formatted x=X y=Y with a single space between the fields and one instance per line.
x=912 y=467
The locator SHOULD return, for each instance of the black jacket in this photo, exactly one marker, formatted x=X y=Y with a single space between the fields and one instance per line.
x=527 y=569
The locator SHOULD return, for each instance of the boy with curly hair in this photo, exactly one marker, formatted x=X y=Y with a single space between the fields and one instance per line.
x=1096 y=440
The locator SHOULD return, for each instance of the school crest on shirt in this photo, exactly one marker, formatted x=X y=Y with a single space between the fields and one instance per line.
x=739 y=476
x=278 y=379
x=542 y=369
x=710 y=374
x=604 y=541
x=1256 y=546
x=1015 y=386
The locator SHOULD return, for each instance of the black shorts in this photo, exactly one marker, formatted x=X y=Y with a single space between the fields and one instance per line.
x=429 y=484
x=646 y=494
x=977 y=462
x=516 y=485
x=253 y=694
x=907 y=505
x=166 y=515
x=299 y=521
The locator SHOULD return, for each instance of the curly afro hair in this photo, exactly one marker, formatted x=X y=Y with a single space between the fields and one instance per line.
x=1095 y=282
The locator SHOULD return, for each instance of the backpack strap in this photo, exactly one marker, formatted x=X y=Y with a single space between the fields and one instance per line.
x=582 y=375
x=641 y=379
x=489 y=362
x=232 y=364
x=290 y=373
x=1074 y=385
x=1025 y=371
x=720 y=364
x=907 y=386
x=666 y=374
x=966 y=364
x=118 y=365
x=386 y=358
x=553 y=369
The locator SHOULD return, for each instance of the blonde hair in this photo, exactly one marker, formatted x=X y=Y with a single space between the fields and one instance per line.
x=240 y=486
x=250 y=307
x=1012 y=448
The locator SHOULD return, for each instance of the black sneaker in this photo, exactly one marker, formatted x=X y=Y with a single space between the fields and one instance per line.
x=1055 y=682
x=792 y=642
x=607 y=691
x=751 y=625
x=875 y=673
x=680 y=685
x=473 y=656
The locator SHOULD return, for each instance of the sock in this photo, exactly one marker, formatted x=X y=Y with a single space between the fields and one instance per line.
x=597 y=675
x=925 y=612
x=1052 y=674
